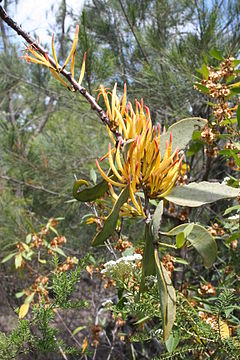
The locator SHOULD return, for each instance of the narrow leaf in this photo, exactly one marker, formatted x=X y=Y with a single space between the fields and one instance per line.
x=167 y=297
x=79 y=328
x=59 y=78
x=73 y=49
x=232 y=208
x=8 y=257
x=205 y=71
x=29 y=298
x=238 y=115
x=59 y=251
x=82 y=69
x=111 y=221
x=73 y=64
x=197 y=194
x=54 y=52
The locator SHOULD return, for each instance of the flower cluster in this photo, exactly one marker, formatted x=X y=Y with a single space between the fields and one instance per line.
x=136 y=160
x=219 y=89
x=123 y=266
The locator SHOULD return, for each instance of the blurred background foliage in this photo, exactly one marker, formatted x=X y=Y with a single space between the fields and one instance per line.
x=49 y=136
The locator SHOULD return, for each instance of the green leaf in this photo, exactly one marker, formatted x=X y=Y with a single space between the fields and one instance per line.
x=233 y=237
x=232 y=208
x=93 y=176
x=205 y=71
x=8 y=257
x=238 y=115
x=111 y=221
x=167 y=297
x=148 y=264
x=235 y=91
x=181 y=236
x=182 y=132
x=216 y=54
x=180 y=240
x=59 y=251
x=79 y=328
x=90 y=194
x=157 y=219
x=29 y=298
x=53 y=230
x=172 y=342
x=181 y=261
x=202 y=88
x=19 y=294
x=197 y=194
x=201 y=240
x=18 y=261
x=236 y=62
x=128 y=251
x=42 y=261
x=28 y=238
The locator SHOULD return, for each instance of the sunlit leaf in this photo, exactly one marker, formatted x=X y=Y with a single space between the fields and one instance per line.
x=29 y=298
x=8 y=257
x=79 y=328
x=197 y=194
x=18 y=261
x=182 y=132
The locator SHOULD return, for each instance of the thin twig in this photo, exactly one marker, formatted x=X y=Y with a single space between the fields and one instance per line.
x=75 y=85
x=68 y=330
x=36 y=187
x=133 y=32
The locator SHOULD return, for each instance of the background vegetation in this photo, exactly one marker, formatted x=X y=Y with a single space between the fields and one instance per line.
x=49 y=136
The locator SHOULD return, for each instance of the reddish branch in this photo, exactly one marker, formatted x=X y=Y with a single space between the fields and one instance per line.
x=94 y=105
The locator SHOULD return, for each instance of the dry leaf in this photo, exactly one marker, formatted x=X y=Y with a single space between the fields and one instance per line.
x=89 y=269
x=23 y=310
x=224 y=329
x=84 y=346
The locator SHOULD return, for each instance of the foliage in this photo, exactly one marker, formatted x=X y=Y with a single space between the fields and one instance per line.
x=156 y=203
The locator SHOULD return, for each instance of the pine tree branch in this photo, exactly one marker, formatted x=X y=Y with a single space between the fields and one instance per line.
x=50 y=109
x=75 y=86
x=133 y=32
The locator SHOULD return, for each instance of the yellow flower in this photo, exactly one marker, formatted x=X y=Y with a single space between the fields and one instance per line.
x=136 y=160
